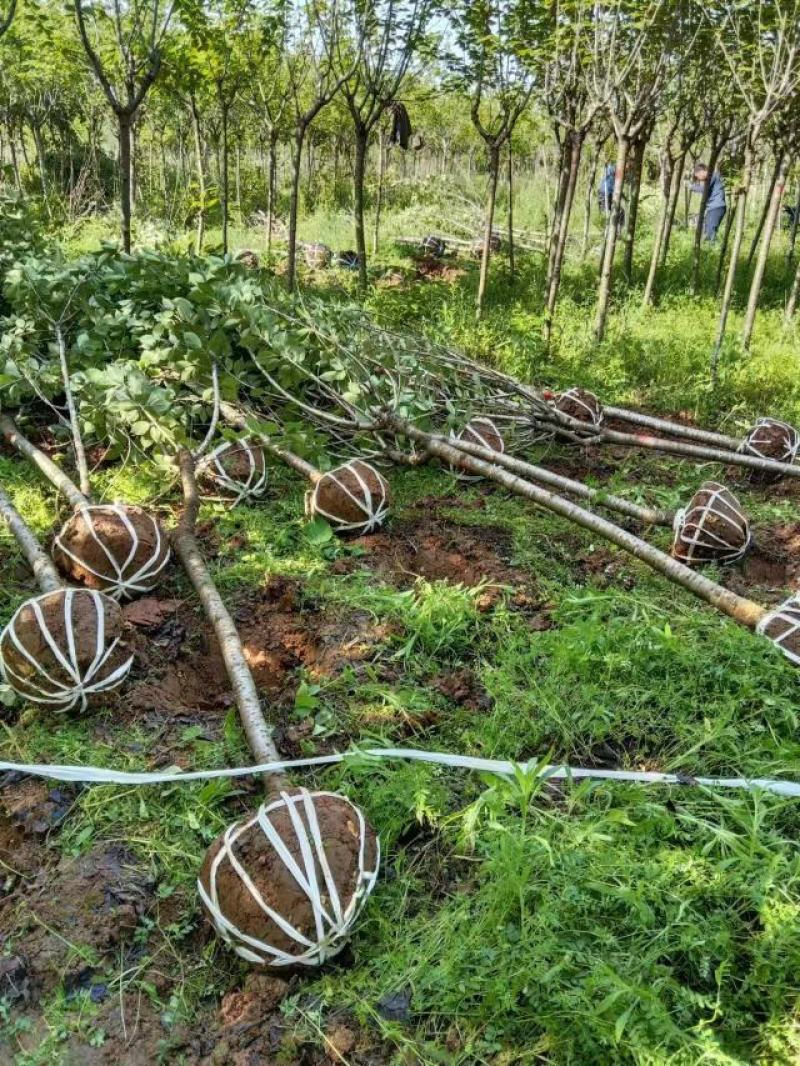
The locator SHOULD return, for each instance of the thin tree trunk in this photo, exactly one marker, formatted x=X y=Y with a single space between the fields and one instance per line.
x=576 y=139
x=776 y=170
x=716 y=148
x=359 y=172
x=510 y=185
x=272 y=163
x=587 y=210
x=491 y=199
x=124 y=122
x=77 y=440
x=742 y=610
x=673 y=206
x=672 y=176
x=40 y=159
x=791 y=303
x=778 y=186
x=558 y=206
x=726 y=236
x=604 y=291
x=639 y=146
x=379 y=198
x=224 y=188
x=793 y=229
x=259 y=734
x=201 y=178
x=294 y=198
x=47 y=577
x=727 y=295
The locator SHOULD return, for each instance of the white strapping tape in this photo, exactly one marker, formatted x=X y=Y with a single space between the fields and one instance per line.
x=504 y=768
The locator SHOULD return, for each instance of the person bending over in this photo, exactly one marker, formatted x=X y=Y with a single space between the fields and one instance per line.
x=716 y=205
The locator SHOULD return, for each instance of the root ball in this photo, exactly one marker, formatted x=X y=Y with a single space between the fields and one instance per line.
x=354 y=498
x=285 y=886
x=482 y=431
x=247 y=257
x=713 y=528
x=433 y=246
x=116 y=548
x=236 y=470
x=581 y=405
x=317 y=256
x=782 y=627
x=63 y=647
x=771 y=439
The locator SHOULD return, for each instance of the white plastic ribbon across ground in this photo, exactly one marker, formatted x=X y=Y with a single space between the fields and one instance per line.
x=501 y=767
x=332 y=923
x=121 y=584
x=374 y=512
x=693 y=521
x=60 y=695
x=254 y=485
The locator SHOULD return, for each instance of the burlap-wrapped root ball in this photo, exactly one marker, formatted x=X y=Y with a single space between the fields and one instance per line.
x=285 y=887
x=63 y=647
x=354 y=498
x=482 y=431
x=782 y=627
x=317 y=256
x=581 y=405
x=433 y=246
x=247 y=257
x=771 y=439
x=236 y=470
x=713 y=528
x=117 y=548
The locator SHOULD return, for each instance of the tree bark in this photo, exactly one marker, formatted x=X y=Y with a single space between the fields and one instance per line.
x=124 y=123
x=649 y=288
x=294 y=198
x=201 y=178
x=359 y=174
x=47 y=577
x=272 y=163
x=639 y=146
x=726 y=236
x=587 y=210
x=604 y=291
x=576 y=139
x=382 y=150
x=727 y=295
x=776 y=198
x=510 y=186
x=673 y=206
x=793 y=229
x=224 y=191
x=791 y=303
x=765 y=209
x=491 y=199
x=54 y=474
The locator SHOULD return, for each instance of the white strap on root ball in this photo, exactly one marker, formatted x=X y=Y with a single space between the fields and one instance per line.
x=713 y=528
x=782 y=627
x=354 y=498
x=235 y=471
x=285 y=886
x=63 y=647
x=772 y=439
x=581 y=405
x=116 y=548
x=317 y=255
x=479 y=430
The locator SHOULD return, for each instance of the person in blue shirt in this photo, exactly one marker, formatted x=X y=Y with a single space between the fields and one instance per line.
x=716 y=206
x=605 y=193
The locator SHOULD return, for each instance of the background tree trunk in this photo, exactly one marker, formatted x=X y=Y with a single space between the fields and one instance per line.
x=124 y=123
x=494 y=167
x=604 y=291
x=776 y=198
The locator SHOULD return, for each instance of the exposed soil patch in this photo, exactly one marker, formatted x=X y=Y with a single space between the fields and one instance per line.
x=463 y=688
x=772 y=565
x=437 y=549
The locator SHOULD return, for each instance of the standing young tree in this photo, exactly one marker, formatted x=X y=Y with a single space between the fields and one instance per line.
x=497 y=40
x=633 y=52
x=383 y=39
x=760 y=44
x=122 y=40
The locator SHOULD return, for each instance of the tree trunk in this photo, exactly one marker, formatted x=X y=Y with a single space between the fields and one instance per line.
x=726 y=236
x=510 y=183
x=639 y=146
x=791 y=303
x=558 y=206
x=201 y=178
x=672 y=176
x=673 y=206
x=604 y=292
x=778 y=186
x=272 y=163
x=587 y=210
x=359 y=172
x=124 y=121
x=382 y=150
x=224 y=185
x=576 y=139
x=53 y=473
x=47 y=577
x=766 y=208
x=727 y=295
x=40 y=159
x=793 y=229
x=294 y=198
x=716 y=148
x=494 y=169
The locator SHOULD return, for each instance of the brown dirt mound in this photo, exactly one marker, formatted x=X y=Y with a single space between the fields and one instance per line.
x=772 y=564
x=436 y=549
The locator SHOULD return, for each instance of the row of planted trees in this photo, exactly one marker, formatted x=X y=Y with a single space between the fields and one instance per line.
x=290 y=90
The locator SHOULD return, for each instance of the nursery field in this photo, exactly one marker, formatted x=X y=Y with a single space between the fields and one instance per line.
x=514 y=919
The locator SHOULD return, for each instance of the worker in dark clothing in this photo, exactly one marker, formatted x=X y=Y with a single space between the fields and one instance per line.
x=605 y=193
x=716 y=205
